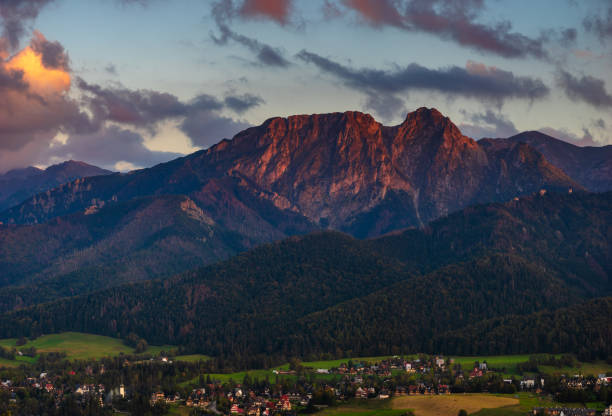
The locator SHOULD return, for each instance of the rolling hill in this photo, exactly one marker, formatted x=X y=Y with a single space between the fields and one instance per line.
x=329 y=292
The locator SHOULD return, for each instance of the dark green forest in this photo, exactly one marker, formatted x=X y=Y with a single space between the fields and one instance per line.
x=464 y=284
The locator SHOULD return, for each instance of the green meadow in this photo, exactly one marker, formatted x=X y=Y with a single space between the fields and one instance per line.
x=77 y=346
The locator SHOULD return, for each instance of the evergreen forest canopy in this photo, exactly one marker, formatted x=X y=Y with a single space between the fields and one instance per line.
x=526 y=276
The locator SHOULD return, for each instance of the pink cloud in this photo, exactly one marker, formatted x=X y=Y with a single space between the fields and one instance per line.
x=277 y=10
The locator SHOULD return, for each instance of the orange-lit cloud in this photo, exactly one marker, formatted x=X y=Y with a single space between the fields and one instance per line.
x=42 y=80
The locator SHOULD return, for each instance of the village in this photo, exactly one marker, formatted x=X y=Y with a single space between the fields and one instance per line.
x=297 y=388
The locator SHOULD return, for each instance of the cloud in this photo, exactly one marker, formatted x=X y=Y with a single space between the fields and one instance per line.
x=199 y=118
x=111 y=69
x=52 y=54
x=600 y=24
x=452 y=20
x=488 y=124
x=585 y=88
x=276 y=10
x=331 y=10
x=106 y=147
x=40 y=101
x=474 y=81
x=34 y=103
x=265 y=54
x=15 y=15
x=139 y=108
x=242 y=103
x=565 y=135
x=386 y=106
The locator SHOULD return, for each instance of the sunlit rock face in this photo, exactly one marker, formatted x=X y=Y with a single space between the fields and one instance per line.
x=349 y=172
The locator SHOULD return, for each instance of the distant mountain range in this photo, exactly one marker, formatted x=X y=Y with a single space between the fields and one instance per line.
x=88 y=229
x=20 y=184
x=590 y=166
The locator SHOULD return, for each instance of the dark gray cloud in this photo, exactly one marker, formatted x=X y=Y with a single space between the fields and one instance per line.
x=455 y=20
x=206 y=128
x=242 y=103
x=474 y=81
x=600 y=24
x=140 y=108
x=53 y=54
x=600 y=123
x=585 y=88
x=487 y=124
x=11 y=79
x=15 y=15
x=386 y=106
x=201 y=118
x=266 y=55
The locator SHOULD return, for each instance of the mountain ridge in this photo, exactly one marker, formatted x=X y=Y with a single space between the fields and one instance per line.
x=332 y=169
x=18 y=185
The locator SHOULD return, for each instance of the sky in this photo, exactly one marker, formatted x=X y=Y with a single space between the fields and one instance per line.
x=126 y=84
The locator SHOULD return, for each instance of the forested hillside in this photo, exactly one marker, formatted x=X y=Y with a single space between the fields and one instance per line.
x=329 y=293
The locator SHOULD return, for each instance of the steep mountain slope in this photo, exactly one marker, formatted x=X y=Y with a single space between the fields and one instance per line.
x=326 y=291
x=342 y=170
x=589 y=166
x=134 y=240
x=20 y=184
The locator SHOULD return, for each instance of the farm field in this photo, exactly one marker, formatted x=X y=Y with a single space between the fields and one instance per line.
x=78 y=346
x=364 y=408
x=449 y=405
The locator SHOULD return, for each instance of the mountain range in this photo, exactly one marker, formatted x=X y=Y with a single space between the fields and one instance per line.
x=412 y=233
x=289 y=176
x=419 y=290
x=17 y=185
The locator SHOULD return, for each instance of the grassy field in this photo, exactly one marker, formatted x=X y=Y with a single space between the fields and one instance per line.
x=78 y=346
x=364 y=408
x=336 y=363
x=508 y=362
x=191 y=358
x=594 y=368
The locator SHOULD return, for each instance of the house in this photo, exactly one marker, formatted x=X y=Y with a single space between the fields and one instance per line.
x=608 y=411
x=158 y=397
x=322 y=371
x=361 y=394
x=564 y=411
x=253 y=411
x=476 y=372
x=284 y=404
x=440 y=361
x=527 y=383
